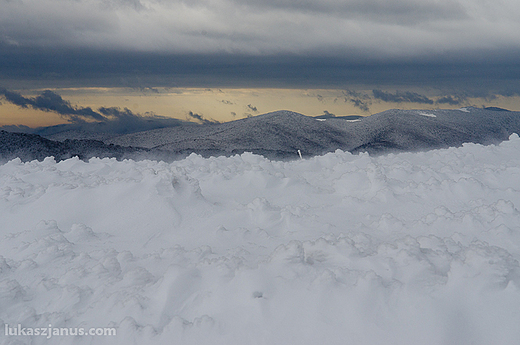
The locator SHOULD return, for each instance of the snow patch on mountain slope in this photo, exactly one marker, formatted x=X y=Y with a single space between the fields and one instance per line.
x=427 y=114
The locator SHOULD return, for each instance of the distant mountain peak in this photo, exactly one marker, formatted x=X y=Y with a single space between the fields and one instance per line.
x=495 y=109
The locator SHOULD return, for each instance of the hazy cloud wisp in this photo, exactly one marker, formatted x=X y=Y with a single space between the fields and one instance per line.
x=451 y=100
x=252 y=108
x=200 y=118
x=401 y=97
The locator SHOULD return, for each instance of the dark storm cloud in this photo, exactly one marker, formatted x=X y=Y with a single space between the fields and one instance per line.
x=51 y=102
x=201 y=118
x=401 y=97
x=106 y=119
x=45 y=68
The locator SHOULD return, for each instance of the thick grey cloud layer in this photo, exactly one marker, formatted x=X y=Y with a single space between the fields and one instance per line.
x=390 y=28
x=453 y=45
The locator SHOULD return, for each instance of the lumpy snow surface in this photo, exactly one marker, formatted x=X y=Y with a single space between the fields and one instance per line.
x=412 y=248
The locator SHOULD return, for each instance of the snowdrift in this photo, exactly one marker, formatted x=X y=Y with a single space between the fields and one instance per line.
x=410 y=248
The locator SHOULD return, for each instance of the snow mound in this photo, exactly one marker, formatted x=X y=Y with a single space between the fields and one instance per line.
x=410 y=248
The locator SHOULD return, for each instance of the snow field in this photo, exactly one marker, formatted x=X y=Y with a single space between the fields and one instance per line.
x=412 y=248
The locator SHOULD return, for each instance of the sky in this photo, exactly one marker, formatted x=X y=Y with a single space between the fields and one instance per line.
x=219 y=60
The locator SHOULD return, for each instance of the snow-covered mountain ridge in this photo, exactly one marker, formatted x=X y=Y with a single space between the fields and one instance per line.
x=279 y=135
x=285 y=132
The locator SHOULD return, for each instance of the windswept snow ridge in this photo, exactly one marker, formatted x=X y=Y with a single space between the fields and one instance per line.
x=412 y=248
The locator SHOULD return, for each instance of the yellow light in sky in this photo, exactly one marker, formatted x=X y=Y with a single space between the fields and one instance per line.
x=217 y=104
x=14 y=115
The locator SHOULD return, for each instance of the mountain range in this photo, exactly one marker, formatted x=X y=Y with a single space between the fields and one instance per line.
x=278 y=135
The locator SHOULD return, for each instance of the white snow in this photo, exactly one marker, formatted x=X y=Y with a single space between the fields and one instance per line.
x=465 y=110
x=413 y=248
x=427 y=114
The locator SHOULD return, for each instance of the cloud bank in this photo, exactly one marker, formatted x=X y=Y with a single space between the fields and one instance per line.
x=104 y=119
x=395 y=28
x=52 y=102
